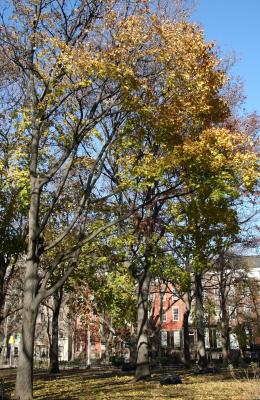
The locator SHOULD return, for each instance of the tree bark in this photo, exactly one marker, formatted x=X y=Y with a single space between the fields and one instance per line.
x=224 y=285
x=142 y=363
x=225 y=340
x=54 y=345
x=186 y=337
x=24 y=377
x=3 y=268
x=200 y=324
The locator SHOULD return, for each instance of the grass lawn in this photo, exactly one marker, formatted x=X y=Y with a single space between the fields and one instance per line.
x=111 y=385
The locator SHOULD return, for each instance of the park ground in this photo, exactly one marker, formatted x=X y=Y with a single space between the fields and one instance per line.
x=116 y=385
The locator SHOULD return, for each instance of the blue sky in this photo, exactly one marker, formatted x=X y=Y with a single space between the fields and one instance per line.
x=235 y=26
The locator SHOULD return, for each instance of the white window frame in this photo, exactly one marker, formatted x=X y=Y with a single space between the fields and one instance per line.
x=164 y=316
x=207 y=341
x=173 y=316
x=164 y=339
x=176 y=339
x=218 y=339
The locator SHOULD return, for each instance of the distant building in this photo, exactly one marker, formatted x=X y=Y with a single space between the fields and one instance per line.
x=91 y=338
x=243 y=309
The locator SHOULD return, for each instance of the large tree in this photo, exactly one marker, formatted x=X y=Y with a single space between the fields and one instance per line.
x=206 y=223
x=78 y=62
x=87 y=69
x=13 y=182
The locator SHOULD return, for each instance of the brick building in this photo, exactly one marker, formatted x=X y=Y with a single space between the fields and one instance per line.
x=168 y=308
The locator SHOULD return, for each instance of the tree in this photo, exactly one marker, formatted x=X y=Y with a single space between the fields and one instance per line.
x=206 y=222
x=102 y=288
x=54 y=344
x=13 y=184
x=95 y=78
x=236 y=291
x=79 y=64
x=181 y=168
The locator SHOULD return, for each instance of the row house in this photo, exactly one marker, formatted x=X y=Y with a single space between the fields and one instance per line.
x=166 y=314
x=167 y=310
x=90 y=337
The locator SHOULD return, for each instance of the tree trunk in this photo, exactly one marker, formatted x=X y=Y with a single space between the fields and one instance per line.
x=225 y=340
x=225 y=343
x=3 y=268
x=186 y=337
x=142 y=363
x=200 y=324
x=24 y=377
x=54 y=345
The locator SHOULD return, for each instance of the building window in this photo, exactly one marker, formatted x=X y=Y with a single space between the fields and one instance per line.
x=233 y=341
x=212 y=338
x=176 y=339
x=164 y=339
x=218 y=339
x=192 y=340
x=175 y=313
x=207 y=343
x=164 y=317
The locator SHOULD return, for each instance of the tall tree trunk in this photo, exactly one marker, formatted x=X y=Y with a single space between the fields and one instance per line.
x=3 y=268
x=200 y=324
x=224 y=285
x=24 y=377
x=142 y=363
x=54 y=345
x=186 y=337
x=225 y=340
